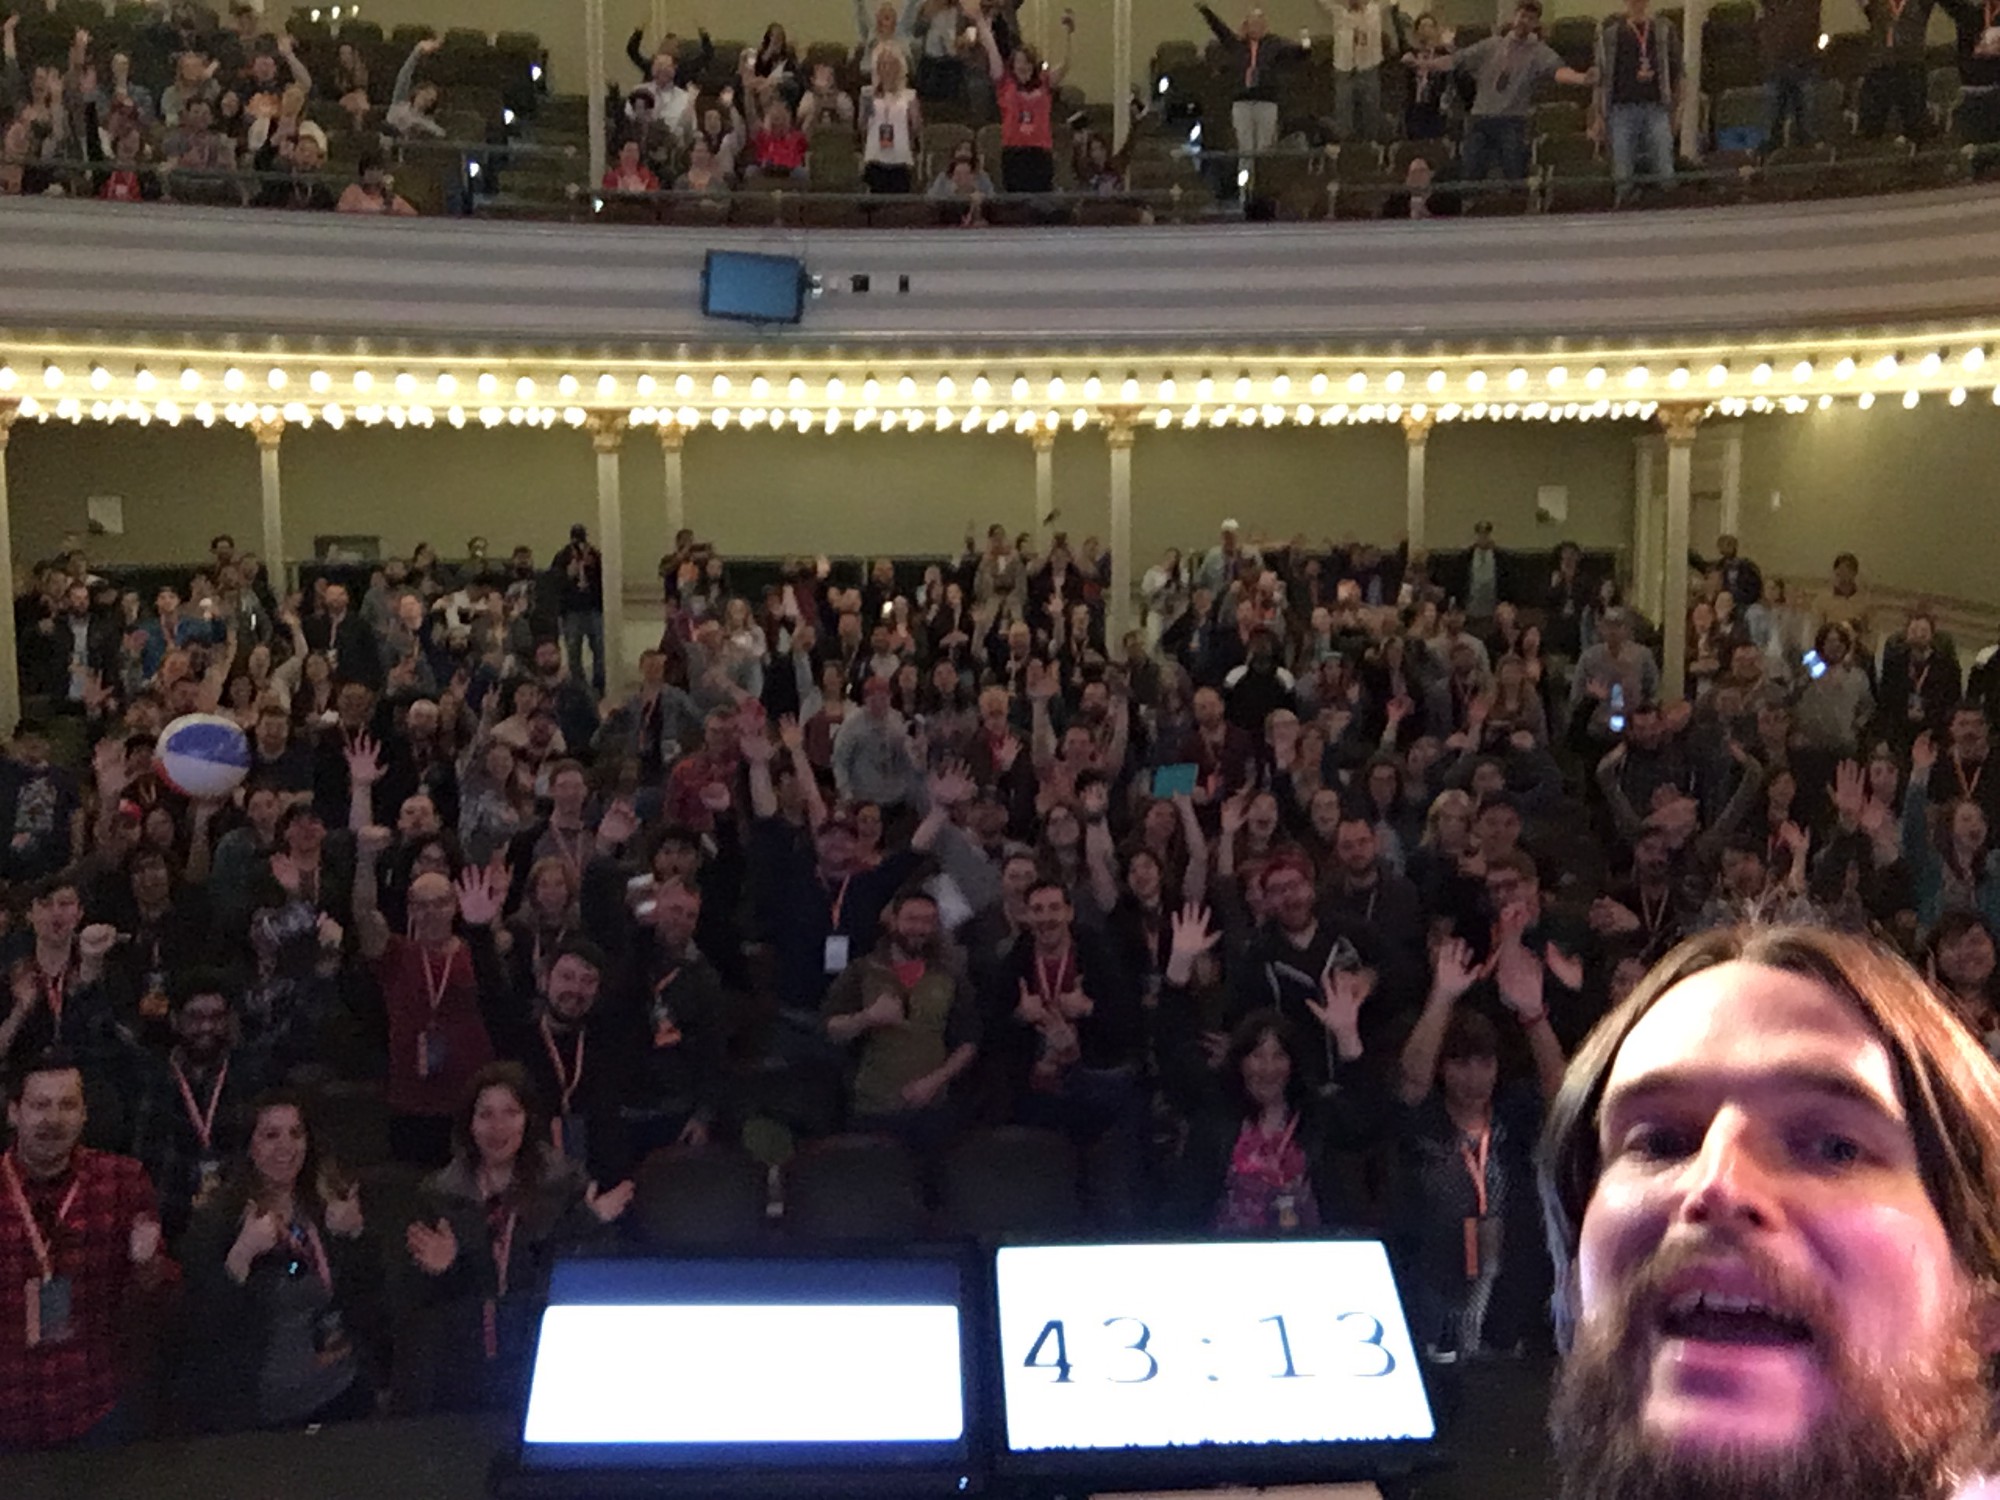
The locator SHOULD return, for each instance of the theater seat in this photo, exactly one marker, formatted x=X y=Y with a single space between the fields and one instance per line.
x=1011 y=1180
x=692 y=1196
x=853 y=1187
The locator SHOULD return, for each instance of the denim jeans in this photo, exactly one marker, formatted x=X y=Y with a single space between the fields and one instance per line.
x=578 y=627
x=1788 y=92
x=1495 y=140
x=1357 y=105
x=1641 y=131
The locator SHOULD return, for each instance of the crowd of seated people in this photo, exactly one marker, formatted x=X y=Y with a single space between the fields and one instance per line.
x=180 y=111
x=1278 y=914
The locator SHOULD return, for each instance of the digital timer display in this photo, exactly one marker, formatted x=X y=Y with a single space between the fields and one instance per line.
x=1177 y=1345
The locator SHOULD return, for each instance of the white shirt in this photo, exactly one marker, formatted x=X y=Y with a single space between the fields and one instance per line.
x=1357 y=37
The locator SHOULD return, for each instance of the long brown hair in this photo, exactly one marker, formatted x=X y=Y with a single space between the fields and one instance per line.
x=1949 y=1086
x=529 y=1164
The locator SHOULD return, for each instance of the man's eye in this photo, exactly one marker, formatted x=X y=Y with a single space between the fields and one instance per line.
x=1657 y=1143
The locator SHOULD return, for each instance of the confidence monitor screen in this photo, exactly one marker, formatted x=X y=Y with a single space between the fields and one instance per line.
x=753 y=288
x=1188 y=1353
x=723 y=1365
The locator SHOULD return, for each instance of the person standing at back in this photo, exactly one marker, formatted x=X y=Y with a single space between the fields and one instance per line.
x=579 y=578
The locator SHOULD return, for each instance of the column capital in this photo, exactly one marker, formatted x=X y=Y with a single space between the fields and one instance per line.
x=10 y=412
x=607 y=431
x=673 y=436
x=1044 y=438
x=268 y=434
x=1121 y=425
x=1416 y=429
x=1680 y=420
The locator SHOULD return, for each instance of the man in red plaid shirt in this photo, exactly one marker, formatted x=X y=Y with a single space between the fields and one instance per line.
x=79 y=1252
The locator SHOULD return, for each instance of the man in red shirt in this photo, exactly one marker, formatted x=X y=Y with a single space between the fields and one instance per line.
x=704 y=784
x=79 y=1249
x=437 y=1034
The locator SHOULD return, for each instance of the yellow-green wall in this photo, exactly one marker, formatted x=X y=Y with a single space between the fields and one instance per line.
x=1912 y=493
x=1908 y=490
x=761 y=493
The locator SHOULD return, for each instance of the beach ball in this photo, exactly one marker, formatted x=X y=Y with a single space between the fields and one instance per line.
x=203 y=755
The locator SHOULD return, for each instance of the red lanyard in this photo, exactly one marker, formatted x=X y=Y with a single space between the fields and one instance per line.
x=1475 y=1165
x=839 y=901
x=202 y=1120
x=37 y=1245
x=1918 y=679
x=1065 y=975
x=438 y=981
x=1250 y=70
x=1642 y=33
x=503 y=1251
x=1896 y=9
x=53 y=987
x=567 y=1079
x=1971 y=788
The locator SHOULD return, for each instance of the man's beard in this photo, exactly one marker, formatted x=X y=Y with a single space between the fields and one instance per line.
x=1911 y=1431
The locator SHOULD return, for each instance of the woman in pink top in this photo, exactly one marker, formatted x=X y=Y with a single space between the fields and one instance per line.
x=1026 y=91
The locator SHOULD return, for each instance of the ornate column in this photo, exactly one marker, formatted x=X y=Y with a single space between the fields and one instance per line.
x=1645 y=531
x=1681 y=419
x=271 y=488
x=1045 y=478
x=1121 y=427
x=607 y=436
x=10 y=664
x=673 y=437
x=1417 y=439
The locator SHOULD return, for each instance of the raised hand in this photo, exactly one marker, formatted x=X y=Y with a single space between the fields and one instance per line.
x=715 y=796
x=1518 y=974
x=609 y=1204
x=619 y=823
x=343 y=1213
x=144 y=1241
x=1923 y=754
x=1849 y=791
x=432 y=1246
x=1094 y=802
x=260 y=1233
x=886 y=1009
x=1608 y=917
x=1004 y=757
x=480 y=896
x=371 y=842
x=1235 y=811
x=791 y=735
x=755 y=742
x=107 y=762
x=1030 y=1007
x=364 y=761
x=1191 y=933
x=1345 y=992
x=1453 y=970
x=951 y=785
x=95 y=941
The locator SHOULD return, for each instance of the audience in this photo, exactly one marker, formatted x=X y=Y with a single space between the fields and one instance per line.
x=1285 y=922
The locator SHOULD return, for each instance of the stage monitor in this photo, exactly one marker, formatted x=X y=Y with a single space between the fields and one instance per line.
x=757 y=1374
x=753 y=288
x=1190 y=1364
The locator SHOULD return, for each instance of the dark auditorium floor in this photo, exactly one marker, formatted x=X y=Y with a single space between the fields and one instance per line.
x=1495 y=1450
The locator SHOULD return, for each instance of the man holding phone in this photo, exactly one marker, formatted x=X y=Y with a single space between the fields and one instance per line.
x=1615 y=662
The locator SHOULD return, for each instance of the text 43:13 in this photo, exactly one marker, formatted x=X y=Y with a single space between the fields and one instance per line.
x=1359 y=1331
